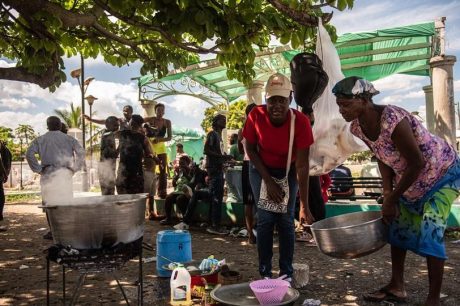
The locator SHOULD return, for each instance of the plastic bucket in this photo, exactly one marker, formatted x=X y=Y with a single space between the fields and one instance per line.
x=175 y=246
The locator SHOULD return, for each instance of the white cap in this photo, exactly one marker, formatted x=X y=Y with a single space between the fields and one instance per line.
x=278 y=85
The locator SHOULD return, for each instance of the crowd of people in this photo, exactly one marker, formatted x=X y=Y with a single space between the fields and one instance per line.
x=420 y=172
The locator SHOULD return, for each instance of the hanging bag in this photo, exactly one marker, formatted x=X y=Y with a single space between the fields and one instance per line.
x=265 y=202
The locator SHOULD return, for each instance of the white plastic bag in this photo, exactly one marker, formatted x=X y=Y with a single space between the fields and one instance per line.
x=334 y=142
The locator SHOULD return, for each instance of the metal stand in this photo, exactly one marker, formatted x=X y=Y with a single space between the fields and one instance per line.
x=85 y=267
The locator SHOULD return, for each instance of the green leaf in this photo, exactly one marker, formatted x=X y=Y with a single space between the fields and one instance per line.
x=200 y=18
x=342 y=4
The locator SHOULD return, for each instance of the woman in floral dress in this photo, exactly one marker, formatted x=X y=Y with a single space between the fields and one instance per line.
x=421 y=179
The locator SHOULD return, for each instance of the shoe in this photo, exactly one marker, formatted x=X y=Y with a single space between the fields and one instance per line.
x=182 y=226
x=48 y=236
x=217 y=230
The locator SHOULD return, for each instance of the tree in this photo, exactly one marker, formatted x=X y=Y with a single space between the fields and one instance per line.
x=71 y=118
x=235 y=115
x=38 y=34
x=25 y=133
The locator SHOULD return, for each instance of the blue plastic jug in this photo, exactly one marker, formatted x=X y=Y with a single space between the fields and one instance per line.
x=175 y=246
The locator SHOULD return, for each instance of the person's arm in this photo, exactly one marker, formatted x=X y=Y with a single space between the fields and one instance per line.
x=94 y=120
x=404 y=140
x=3 y=172
x=302 y=166
x=31 y=159
x=147 y=149
x=273 y=189
x=240 y=143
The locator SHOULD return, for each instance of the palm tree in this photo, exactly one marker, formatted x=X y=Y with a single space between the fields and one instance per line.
x=71 y=118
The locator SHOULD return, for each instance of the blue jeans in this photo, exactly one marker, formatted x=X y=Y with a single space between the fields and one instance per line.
x=216 y=191
x=266 y=221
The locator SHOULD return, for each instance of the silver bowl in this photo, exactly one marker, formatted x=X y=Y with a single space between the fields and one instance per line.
x=351 y=235
x=96 y=222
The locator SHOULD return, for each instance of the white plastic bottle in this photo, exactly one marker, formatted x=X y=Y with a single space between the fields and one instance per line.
x=181 y=292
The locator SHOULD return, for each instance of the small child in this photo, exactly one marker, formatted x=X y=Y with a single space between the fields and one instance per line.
x=109 y=154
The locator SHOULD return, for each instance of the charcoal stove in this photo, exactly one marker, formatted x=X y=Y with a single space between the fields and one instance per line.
x=103 y=260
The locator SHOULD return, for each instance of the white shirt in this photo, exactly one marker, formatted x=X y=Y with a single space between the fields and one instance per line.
x=55 y=149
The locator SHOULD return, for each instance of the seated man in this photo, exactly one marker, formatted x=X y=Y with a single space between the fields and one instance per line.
x=341 y=172
x=200 y=192
x=181 y=194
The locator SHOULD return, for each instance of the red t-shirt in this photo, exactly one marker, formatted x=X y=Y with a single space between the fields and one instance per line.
x=272 y=141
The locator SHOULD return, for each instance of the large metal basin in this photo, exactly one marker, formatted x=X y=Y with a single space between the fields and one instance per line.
x=96 y=222
x=351 y=235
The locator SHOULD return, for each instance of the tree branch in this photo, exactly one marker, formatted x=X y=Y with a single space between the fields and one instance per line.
x=299 y=17
x=164 y=34
x=44 y=80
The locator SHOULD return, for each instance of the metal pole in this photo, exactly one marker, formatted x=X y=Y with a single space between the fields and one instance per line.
x=82 y=84
x=20 y=180
x=90 y=137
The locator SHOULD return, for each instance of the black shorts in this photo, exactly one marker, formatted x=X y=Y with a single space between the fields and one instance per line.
x=248 y=197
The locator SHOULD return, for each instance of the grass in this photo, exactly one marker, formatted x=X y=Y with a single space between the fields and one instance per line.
x=22 y=197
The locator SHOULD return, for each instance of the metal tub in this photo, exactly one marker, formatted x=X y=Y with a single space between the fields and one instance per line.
x=97 y=222
x=351 y=235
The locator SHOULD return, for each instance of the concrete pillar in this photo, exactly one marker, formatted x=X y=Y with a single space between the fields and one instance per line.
x=443 y=97
x=429 y=107
x=254 y=94
x=149 y=107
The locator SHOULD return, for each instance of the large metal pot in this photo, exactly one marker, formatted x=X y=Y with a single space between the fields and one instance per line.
x=96 y=222
x=351 y=235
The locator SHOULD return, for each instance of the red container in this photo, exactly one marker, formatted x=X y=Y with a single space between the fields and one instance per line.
x=197 y=278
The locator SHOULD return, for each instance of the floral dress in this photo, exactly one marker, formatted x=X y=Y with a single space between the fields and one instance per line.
x=426 y=204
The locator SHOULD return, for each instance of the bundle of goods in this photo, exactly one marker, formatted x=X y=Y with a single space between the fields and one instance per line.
x=313 y=81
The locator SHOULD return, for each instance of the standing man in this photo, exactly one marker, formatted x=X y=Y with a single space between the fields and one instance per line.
x=61 y=156
x=215 y=158
x=109 y=154
x=123 y=121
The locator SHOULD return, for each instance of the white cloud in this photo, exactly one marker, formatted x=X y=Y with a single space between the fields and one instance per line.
x=13 y=119
x=457 y=85
x=14 y=104
x=5 y=64
x=392 y=99
x=188 y=106
x=415 y=94
x=387 y=15
x=400 y=82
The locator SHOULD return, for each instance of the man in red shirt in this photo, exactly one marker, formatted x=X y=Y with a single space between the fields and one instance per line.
x=267 y=144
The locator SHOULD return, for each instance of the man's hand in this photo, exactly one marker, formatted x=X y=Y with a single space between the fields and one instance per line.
x=85 y=116
x=274 y=190
x=390 y=209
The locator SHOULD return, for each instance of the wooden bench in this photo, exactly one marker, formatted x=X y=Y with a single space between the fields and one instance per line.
x=351 y=184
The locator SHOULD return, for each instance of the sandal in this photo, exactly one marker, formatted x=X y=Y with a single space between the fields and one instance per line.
x=384 y=294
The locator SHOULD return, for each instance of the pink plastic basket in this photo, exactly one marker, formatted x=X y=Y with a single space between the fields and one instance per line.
x=269 y=291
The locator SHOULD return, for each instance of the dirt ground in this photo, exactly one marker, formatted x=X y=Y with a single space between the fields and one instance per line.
x=333 y=281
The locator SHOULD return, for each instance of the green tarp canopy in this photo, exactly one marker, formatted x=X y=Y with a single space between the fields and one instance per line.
x=372 y=55
x=192 y=141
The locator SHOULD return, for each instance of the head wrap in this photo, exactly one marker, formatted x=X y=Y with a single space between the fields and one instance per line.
x=354 y=87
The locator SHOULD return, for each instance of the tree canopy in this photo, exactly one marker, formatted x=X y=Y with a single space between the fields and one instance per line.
x=235 y=115
x=38 y=34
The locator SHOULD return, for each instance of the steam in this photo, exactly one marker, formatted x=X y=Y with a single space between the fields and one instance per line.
x=57 y=186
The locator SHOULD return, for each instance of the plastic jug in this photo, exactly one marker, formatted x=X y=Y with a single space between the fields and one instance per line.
x=181 y=292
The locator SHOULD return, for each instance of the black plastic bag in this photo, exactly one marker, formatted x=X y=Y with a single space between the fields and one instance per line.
x=308 y=79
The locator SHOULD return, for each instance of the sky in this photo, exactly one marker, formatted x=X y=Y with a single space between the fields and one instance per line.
x=24 y=103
